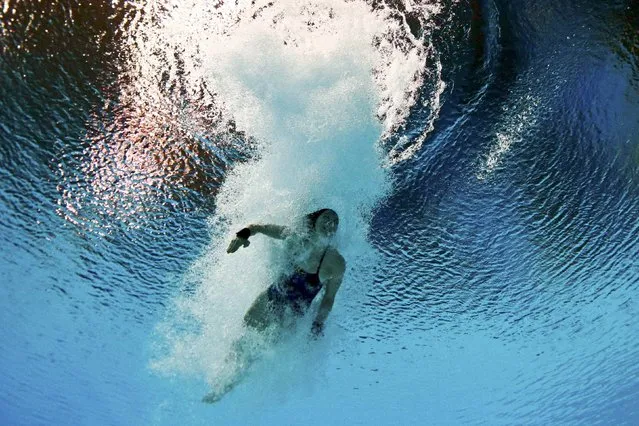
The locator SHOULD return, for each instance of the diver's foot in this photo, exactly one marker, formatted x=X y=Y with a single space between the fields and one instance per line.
x=212 y=397
x=215 y=396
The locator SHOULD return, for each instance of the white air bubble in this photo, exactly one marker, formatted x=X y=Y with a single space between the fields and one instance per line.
x=317 y=85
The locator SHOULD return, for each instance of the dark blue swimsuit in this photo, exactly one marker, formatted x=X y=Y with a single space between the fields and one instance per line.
x=298 y=291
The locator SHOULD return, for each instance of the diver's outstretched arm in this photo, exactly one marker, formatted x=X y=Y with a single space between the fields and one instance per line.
x=273 y=231
x=242 y=237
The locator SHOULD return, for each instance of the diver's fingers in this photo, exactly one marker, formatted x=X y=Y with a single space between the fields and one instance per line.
x=235 y=244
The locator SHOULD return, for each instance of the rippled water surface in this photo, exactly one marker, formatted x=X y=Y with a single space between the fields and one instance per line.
x=483 y=157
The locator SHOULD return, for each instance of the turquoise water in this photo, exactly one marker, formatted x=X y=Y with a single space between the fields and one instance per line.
x=483 y=157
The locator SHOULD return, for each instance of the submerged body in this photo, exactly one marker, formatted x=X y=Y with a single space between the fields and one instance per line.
x=316 y=266
x=293 y=294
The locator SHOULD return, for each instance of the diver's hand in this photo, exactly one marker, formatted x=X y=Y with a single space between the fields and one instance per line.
x=237 y=243
x=241 y=240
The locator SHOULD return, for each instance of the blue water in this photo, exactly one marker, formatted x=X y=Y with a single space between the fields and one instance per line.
x=490 y=209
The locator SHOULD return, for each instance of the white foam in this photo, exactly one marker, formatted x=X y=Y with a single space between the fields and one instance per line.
x=309 y=82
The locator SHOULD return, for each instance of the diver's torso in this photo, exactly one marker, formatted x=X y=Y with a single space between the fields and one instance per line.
x=304 y=254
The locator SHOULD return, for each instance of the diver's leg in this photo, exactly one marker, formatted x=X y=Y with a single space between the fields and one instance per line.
x=217 y=394
x=242 y=355
x=262 y=315
x=265 y=311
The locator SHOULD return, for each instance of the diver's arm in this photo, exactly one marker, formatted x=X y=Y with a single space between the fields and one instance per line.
x=242 y=237
x=273 y=231
x=326 y=305
x=337 y=267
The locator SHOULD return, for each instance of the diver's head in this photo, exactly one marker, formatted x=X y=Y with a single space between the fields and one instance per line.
x=324 y=222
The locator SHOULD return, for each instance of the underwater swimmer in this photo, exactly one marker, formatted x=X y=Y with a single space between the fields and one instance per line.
x=316 y=265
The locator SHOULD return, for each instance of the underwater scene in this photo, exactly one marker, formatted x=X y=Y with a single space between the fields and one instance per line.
x=319 y=212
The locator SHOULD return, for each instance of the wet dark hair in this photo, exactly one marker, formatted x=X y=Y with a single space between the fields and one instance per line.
x=311 y=218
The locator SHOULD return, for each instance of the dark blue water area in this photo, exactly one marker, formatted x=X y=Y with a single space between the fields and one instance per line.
x=549 y=235
x=507 y=287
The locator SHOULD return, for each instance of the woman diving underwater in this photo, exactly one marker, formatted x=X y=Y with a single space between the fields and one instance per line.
x=316 y=265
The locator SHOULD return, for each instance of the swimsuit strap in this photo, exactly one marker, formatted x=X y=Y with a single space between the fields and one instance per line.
x=321 y=260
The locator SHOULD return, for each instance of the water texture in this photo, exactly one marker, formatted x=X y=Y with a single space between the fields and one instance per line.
x=483 y=157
